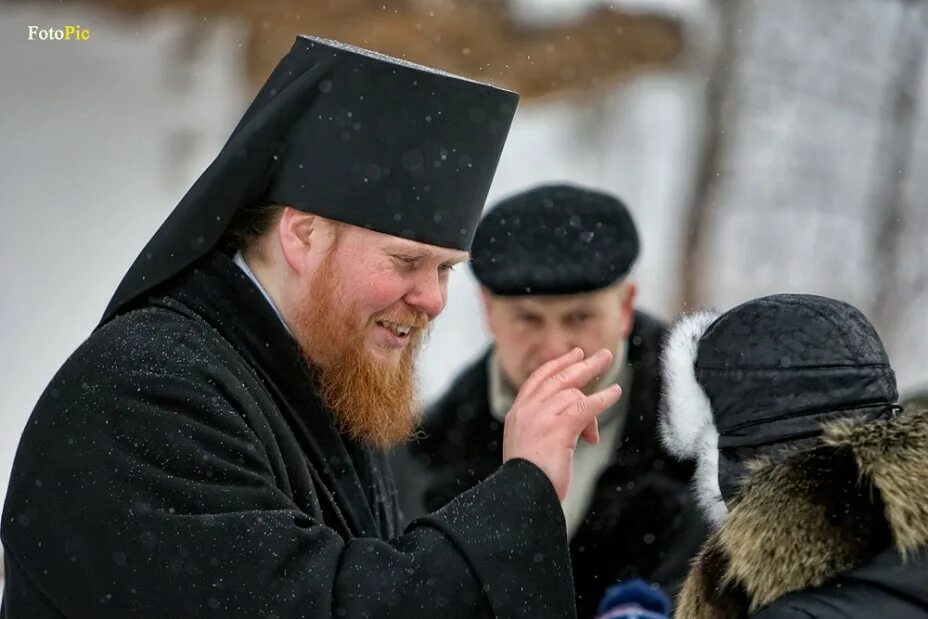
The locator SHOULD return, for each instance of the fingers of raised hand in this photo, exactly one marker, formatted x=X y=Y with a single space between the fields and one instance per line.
x=587 y=408
x=576 y=374
x=558 y=402
x=546 y=370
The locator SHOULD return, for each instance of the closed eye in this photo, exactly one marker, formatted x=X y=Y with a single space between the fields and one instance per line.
x=406 y=260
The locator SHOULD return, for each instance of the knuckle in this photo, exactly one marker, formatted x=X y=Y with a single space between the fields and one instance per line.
x=582 y=405
x=557 y=378
x=537 y=373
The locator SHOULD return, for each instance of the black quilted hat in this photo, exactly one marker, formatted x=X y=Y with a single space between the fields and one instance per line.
x=764 y=375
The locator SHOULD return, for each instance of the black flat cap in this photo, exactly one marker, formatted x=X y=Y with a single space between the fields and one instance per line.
x=554 y=240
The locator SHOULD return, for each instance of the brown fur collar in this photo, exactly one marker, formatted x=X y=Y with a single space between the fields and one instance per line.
x=815 y=513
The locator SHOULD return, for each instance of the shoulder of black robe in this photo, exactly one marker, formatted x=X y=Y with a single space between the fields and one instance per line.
x=159 y=476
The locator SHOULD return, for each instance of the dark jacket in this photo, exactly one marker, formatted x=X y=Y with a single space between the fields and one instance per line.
x=180 y=464
x=822 y=533
x=641 y=521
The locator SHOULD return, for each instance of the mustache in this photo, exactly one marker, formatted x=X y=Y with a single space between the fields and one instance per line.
x=416 y=320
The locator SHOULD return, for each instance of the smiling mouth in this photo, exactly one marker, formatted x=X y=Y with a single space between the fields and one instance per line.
x=399 y=330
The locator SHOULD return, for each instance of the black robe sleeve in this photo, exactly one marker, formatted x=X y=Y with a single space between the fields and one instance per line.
x=159 y=492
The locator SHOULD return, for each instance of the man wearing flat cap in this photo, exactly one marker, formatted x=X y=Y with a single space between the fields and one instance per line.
x=214 y=448
x=553 y=264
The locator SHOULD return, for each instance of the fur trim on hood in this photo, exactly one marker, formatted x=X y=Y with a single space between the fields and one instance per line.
x=687 y=427
x=813 y=514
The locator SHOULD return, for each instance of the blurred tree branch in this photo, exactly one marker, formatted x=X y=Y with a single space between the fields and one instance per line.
x=477 y=38
x=696 y=213
x=897 y=158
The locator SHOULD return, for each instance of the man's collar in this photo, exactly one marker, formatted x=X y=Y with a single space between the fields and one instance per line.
x=239 y=259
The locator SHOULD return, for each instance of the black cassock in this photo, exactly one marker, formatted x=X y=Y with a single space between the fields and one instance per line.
x=180 y=464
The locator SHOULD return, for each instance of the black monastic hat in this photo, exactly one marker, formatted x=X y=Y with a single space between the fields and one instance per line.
x=554 y=240
x=351 y=135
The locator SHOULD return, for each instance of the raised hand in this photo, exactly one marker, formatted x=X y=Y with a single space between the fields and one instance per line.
x=551 y=412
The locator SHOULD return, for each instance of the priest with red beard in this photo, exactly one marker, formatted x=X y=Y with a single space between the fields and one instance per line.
x=214 y=448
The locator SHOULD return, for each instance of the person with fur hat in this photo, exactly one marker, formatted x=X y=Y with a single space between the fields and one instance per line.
x=553 y=265
x=814 y=479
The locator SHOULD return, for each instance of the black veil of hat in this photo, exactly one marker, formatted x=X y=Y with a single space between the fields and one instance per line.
x=347 y=134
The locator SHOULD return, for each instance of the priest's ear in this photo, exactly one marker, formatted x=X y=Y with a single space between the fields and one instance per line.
x=304 y=238
x=295 y=234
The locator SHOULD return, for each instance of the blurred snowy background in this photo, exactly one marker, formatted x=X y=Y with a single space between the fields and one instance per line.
x=767 y=146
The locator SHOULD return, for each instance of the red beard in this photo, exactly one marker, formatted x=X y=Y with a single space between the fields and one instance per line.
x=374 y=401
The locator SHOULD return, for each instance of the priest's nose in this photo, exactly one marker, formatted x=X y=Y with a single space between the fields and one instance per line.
x=429 y=295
